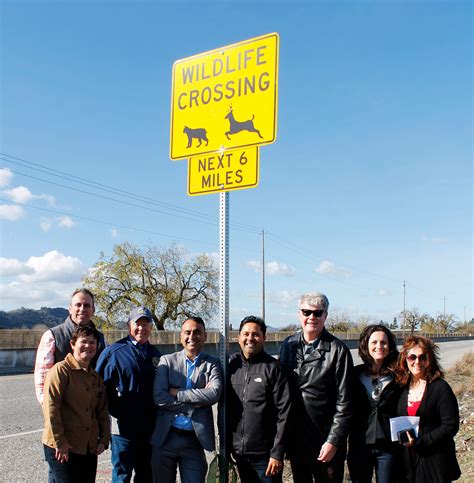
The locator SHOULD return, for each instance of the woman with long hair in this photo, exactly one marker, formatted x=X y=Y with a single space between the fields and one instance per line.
x=76 y=421
x=375 y=402
x=430 y=457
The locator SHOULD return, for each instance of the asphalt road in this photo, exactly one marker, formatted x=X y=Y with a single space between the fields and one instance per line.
x=21 y=422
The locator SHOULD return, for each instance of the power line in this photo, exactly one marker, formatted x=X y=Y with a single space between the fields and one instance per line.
x=110 y=189
x=304 y=253
x=114 y=225
x=184 y=213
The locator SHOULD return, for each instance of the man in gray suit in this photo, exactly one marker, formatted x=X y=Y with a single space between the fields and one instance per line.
x=187 y=384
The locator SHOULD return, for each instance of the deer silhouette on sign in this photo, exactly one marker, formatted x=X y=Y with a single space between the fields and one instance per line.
x=238 y=126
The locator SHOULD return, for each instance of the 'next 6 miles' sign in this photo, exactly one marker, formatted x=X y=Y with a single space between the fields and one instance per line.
x=225 y=98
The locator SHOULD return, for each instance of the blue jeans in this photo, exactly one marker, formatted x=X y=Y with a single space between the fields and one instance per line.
x=252 y=470
x=369 y=458
x=129 y=455
x=79 y=468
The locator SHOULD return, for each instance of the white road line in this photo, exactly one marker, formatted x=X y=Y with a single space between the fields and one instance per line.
x=21 y=434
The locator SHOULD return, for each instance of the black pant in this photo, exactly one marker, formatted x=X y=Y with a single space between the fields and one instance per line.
x=79 y=469
x=309 y=471
x=252 y=470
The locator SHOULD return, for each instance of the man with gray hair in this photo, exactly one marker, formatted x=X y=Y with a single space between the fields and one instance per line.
x=319 y=368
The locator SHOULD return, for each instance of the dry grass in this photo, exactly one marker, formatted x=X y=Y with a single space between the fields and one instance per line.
x=461 y=379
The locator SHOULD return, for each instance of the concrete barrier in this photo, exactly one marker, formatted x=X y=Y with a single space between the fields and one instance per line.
x=18 y=347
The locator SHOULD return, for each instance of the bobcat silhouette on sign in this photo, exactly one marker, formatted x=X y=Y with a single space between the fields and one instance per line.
x=238 y=126
x=199 y=133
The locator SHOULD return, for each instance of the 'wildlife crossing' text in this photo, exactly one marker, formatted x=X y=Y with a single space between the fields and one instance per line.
x=221 y=67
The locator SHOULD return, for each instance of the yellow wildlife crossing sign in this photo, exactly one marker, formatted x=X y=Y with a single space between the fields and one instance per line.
x=225 y=98
x=225 y=171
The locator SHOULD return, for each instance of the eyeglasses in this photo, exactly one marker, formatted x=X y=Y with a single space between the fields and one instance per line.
x=414 y=357
x=316 y=313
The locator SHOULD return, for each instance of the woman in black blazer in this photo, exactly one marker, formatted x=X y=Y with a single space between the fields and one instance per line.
x=375 y=402
x=431 y=457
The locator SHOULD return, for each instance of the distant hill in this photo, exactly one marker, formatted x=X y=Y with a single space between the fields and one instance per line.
x=28 y=318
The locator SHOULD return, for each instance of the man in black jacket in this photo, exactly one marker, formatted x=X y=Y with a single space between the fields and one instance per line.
x=319 y=367
x=258 y=406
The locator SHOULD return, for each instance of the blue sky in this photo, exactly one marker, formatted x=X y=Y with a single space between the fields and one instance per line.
x=369 y=182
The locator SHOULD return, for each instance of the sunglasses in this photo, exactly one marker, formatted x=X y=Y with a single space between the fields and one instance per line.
x=414 y=357
x=316 y=313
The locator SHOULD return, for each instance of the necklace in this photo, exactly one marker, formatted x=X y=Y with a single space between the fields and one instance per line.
x=377 y=385
x=415 y=392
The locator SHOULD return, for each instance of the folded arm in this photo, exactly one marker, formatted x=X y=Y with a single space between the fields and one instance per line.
x=161 y=390
x=208 y=395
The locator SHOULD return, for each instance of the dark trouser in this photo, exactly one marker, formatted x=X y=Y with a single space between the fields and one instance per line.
x=310 y=471
x=366 y=458
x=79 y=469
x=129 y=455
x=183 y=450
x=252 y=470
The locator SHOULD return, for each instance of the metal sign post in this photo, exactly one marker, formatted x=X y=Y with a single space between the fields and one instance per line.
x=223 y=323
x=223 y=108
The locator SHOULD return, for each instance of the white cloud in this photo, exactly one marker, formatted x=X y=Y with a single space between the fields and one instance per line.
x=383 y=292
x=272 y=268
x=65 y=221
x=328 y=268
x=45 y=224
x=255 y=265
x=18 y=294
x=114 y=232
x=53 y=266
x=22 y=194
x=279 y=268
x=5 y=177
x=47 y=280
x=284 y=298
x=11 y=212
x=12 y=267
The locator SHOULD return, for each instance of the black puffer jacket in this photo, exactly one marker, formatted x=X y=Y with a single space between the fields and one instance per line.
x=321 y=389
x=258 y=401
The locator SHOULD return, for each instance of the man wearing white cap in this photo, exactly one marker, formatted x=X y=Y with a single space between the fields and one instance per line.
x=128 y=369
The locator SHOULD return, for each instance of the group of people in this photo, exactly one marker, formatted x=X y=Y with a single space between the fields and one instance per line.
x=304 y=405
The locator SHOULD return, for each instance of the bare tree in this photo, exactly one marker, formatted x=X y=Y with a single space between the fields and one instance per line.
x=166 y=280
x=339 y=321
x=412 y=319
x=445 y=322
x=364 y=320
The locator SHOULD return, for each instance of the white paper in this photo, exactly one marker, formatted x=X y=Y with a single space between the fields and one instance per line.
x=403 y=422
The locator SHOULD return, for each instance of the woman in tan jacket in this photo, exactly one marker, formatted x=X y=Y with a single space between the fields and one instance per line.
x=77 y=427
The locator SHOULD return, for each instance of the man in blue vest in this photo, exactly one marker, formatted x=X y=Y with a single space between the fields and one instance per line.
x=55 y=342
x=128 y=369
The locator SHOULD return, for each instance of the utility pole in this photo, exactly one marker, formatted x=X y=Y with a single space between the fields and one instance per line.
x=444 y=308
x=404 y=285
x=263 y=274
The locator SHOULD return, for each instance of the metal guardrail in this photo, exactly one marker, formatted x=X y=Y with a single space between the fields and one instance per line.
x=29 y=339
